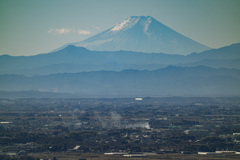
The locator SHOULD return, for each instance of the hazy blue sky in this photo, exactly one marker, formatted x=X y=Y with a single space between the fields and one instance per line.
x=29 y=27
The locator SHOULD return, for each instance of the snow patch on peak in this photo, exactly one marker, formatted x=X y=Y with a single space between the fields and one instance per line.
x=120 y=25
x=147 y=23
x=128 y=23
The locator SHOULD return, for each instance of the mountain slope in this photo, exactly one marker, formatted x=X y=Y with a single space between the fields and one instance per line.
x=142 y=34
x=170 y=81
x=74 y=59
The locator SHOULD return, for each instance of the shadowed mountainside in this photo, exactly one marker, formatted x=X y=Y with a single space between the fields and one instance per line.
x=77 y=59
x=170 y=81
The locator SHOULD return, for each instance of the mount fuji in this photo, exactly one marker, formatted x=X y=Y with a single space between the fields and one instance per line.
x=142 y=34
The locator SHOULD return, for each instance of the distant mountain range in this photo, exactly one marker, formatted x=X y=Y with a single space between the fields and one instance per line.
x=170 y=81
x=170 y=71
x=142 y=34
x=77 y=70
x=84 y=73
x=74 y=59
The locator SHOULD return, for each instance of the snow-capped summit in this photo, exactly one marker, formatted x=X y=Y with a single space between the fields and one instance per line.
x=143 y=34
x=129 y=22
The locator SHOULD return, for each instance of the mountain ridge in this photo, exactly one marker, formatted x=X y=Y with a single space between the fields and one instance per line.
x=169 y=81
x=76 y=59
